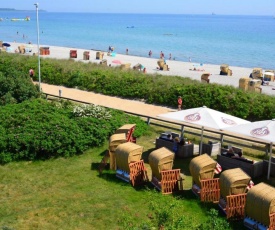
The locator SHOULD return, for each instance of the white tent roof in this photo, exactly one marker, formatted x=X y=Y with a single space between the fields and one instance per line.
x=264 y=130
x=205 y=117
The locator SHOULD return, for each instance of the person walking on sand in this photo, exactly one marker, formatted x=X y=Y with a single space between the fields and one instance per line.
x=150 y=53
x=179 y=102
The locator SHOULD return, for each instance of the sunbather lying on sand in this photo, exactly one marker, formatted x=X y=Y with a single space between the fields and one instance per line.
x=195 y=69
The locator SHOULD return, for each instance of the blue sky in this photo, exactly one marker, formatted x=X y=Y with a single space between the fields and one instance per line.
x=240 y=7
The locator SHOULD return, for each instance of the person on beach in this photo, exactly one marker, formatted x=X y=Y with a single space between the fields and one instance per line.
x=150 y=53
x=144 y=70
x=127 y=51
x=179 y=103
x=161 y=54
x=170 y=56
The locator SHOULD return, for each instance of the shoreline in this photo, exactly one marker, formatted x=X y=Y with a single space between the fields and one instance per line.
x=177 y=68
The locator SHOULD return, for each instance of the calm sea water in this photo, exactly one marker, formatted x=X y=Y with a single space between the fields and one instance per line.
x=247 y=41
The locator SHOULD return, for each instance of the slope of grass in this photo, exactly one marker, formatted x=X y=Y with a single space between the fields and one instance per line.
x=68 y=193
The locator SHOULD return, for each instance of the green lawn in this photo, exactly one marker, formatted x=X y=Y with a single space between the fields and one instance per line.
x=70 y=194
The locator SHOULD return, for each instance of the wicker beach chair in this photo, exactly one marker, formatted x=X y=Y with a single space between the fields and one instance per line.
x=257 y=73
x=202 y=169
x=21 y=49
x=137 y=67
x=243 y=83
x=114 y=141
x=130 y=167
x=122 y=135
x=233 y=187
x=268 y=76
x=125 y=66
x=164 y=178
x=86 y=55
x=73 y=53
x=254 y=85
x=224 y=70
x=205 y=77
x=260 y=207
x=162 y=65
x=128 y=129
x=103 y=62
x=99 y=55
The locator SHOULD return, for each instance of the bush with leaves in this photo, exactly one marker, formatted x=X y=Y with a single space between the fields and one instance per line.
x=38 y=129
x=155 y=89
x=16 y=88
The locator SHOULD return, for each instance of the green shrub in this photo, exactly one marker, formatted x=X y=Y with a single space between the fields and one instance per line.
x=37 y=129
x=16 y=88
x=155 y=89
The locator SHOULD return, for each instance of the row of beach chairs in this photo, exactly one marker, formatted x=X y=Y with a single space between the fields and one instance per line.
x=233 y=190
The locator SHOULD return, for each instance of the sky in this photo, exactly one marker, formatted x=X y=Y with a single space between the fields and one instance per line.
x=222 y=7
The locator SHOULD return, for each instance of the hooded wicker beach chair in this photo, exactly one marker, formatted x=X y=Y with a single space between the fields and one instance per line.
x=260 y=207
x=73 y=53
x=128 y=129
x=233 y=187
x=86 y=55
x=254 y=85
x=125 y=66
x=257 y=73
x=205 y=77
x=162 y=65
x=137 y=67
x=99 y=55
x=164 y=177
x=243 y=83
x=202 y=169
x=114 y=141
x=224 y=70
x=130 y=167
x=122 y=135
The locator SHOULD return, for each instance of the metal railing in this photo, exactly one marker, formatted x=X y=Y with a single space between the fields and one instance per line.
x=221 y=136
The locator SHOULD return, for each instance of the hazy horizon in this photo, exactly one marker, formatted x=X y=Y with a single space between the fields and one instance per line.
x=225 y=7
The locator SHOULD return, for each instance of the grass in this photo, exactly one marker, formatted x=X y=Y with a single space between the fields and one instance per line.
x=69 y=194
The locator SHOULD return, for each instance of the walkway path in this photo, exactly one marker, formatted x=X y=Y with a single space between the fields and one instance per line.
x=132 y=106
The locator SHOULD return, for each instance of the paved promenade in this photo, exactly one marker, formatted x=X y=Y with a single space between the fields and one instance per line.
x=132 y=106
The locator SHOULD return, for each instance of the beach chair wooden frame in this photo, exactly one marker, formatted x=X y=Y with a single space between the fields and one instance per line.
x=210 y=190
x=170 y=182
x=272 y=221
x=235 y=207
x=138 y=173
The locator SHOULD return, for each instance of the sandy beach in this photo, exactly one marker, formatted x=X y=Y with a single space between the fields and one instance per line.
x=177 y=68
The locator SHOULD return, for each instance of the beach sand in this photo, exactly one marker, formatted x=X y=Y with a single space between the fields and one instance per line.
x=177 y=68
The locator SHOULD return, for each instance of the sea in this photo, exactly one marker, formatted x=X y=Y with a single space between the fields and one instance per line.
x=245 y=41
